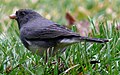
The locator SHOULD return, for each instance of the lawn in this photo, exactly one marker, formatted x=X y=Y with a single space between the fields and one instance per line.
x=92 y=18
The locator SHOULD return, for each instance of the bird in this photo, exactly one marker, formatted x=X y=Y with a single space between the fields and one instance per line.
x=38 y=33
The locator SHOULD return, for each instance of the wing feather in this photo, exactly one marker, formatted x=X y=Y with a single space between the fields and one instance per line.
x=49 y=32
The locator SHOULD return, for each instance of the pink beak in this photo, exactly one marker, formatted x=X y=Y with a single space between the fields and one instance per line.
x=13 y=16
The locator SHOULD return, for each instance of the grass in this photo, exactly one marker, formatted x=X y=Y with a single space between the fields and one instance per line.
x=77 y=59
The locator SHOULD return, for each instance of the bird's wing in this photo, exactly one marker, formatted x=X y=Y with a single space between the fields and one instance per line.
x=49 y=32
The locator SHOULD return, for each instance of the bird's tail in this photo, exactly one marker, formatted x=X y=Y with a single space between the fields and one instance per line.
x=82 y=38
x=97 y=40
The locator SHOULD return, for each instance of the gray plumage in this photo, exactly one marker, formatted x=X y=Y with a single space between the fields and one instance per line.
x=38 y=33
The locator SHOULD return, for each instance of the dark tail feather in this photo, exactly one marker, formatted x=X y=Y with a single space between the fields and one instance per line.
x=97 y=40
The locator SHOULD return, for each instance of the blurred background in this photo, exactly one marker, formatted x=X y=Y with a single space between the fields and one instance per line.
x=64 y=12
x=93 y=18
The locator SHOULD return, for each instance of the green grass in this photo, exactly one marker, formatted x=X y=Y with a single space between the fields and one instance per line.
x=15 y=59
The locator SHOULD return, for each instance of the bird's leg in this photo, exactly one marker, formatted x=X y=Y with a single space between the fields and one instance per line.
x=47 y=55
x=58 y=51
x=60 y=62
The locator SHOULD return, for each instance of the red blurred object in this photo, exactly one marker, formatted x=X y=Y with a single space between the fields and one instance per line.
x=71 y=20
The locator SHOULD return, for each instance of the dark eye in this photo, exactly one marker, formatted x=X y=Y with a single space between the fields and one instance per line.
x=16 y=13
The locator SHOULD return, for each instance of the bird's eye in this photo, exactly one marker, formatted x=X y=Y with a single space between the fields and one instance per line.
x=16 y=13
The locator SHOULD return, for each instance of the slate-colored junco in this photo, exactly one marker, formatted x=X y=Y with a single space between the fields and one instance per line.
x=39 y=33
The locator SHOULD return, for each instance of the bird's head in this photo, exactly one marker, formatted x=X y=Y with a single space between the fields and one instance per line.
x=24 y=15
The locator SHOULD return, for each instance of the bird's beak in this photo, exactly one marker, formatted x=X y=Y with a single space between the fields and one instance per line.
x=13 y=16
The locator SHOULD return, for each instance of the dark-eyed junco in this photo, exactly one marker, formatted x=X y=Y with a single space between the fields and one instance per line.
x=39 y=33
